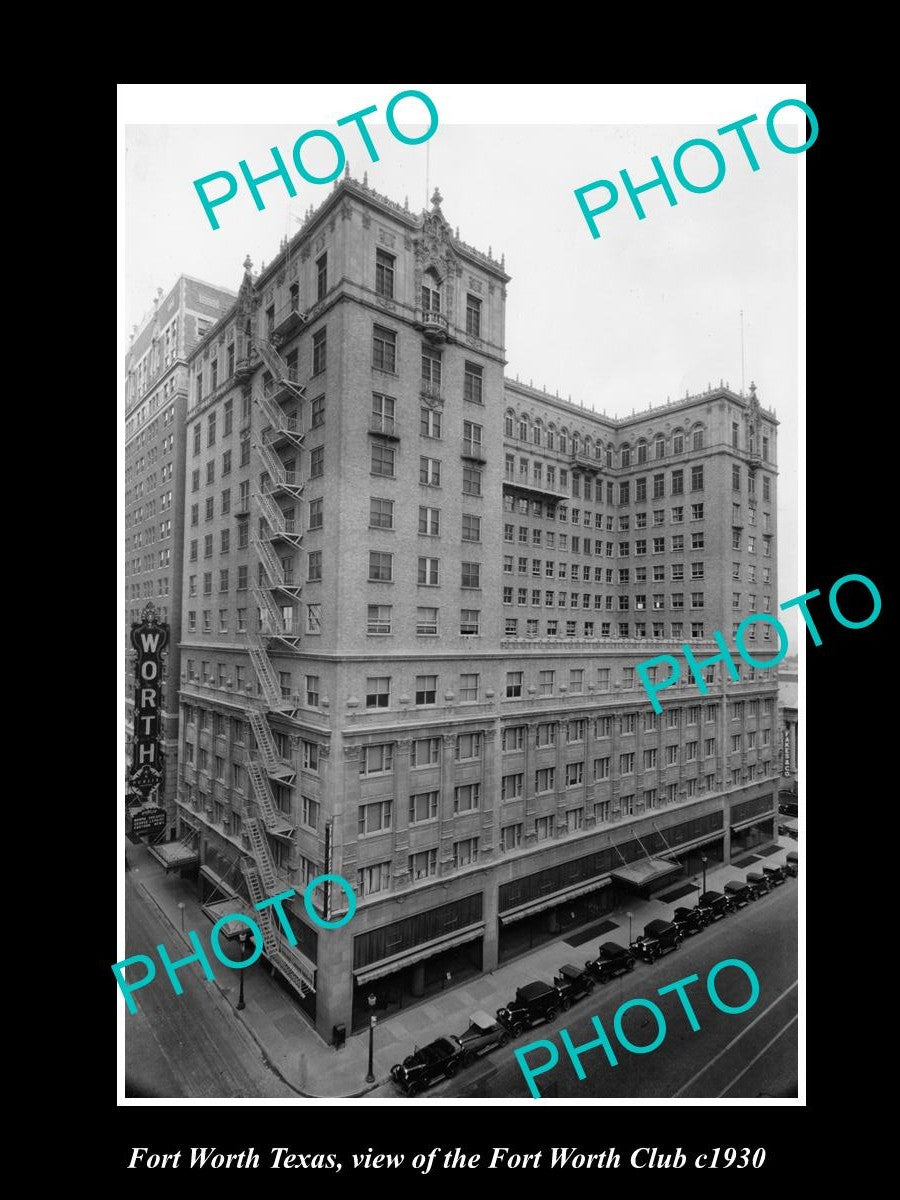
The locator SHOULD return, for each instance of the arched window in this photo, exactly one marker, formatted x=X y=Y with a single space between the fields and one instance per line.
x=431 y=291
x=537 y=433
x=588 y=447
x=509 y=423
x=598 y=451
x=660 y=447
x=678 y=442
x=626 y=455
x=551 y=437
x=609 y=456
x=576 y=443
x=523 y=428
x=698 y=438
x=642 y=452
x=563 y=440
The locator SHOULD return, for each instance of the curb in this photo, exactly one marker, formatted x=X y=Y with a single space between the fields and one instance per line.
x=262 y=1049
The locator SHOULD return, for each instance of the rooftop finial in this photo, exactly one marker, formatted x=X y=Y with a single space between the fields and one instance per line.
x=347 y=169
x=247 y=264
x=406 y=203
x=365 y=178
x=503 y=260
x=752 y=388
x=436 y=199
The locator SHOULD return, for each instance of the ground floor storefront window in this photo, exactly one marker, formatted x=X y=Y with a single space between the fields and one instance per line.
x=417 y=982
x=751 y=836
x=518 y=937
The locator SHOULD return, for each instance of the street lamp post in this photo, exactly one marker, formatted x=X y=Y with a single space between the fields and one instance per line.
x=242 y=938
x=373 y=1020
x=181 y=906
x=704 y=860
x=629 y=915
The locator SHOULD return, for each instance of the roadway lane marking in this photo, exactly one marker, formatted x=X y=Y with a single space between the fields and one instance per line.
x=725 y=1049
x=758 y=1056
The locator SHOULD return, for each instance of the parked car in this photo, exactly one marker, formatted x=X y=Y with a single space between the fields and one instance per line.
x=483 y=1034
x=788 y=808
x=758 y=883
x=690 y=920
x=442 y=1057
x=717 y=905
x=572 y=983
x=612 y=959
x=739 y=892
x=533 y=1003
x=791 y=862
x=775 y=875
x=659 y=938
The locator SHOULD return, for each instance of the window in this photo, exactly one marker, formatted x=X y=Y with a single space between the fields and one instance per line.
x=471 y=575
x=468 y=687
x=319 y=351
x=468 y=746
x=465 y=852
x=545 y=779
x=374 y=818
x=317 y=412
x=430 y=423
x=377 y=878
x=321 y=276
x=466 y=797
x=543 y=828
x=378 y=691
x=381 y=513
x=510 y=838
x=381 y=566
x=427 y=621
x=513 y=684
x=696 y=479
x=426 y=689
x=430 y=472
x=425 y=752
x=428 y=572
x=314 y=566
x=378 y=618
x=626 y=764
x=310 y=756
x=473 y=316
x=546 y=680
x=431 y=371
x=473 y=382
x=576 y=678
x=429 y=521
x=574 y=774
x=513 y=738
x=384 y=274
x=471 y=528
x=423 y=865
x=382 y=460
x=511 y=786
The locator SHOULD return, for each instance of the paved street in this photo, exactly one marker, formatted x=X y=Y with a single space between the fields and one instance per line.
x=188 y=1045
x=746 y=1055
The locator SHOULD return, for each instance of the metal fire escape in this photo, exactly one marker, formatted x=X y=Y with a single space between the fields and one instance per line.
x=277 y=594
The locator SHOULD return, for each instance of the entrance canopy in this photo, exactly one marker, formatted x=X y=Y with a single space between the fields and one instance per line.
x=174 y=854
x=536 y=906
x=389 y=966
x=221 y=908
x=644 y=871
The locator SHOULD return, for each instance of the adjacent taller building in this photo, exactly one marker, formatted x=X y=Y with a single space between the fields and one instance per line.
x=156 y=376
x=414 y=597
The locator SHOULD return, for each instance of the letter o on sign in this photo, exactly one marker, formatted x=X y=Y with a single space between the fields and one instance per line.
x=149 y=669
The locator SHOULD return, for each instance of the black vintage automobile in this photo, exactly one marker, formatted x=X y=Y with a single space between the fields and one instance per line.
x=759 y=883
x=533 y=1003
x=482 y=1035
x=775 y=875
x=572 y=983
x=659 y=938
x=690 y=920
x=791 y=864
x=717 y=905
x=441 y=1057
x=739 y=892
x=612 y=959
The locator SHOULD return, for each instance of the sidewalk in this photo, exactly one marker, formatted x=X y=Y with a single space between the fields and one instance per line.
x=313 y=1069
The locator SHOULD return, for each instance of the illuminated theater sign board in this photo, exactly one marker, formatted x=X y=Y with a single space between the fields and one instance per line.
x=149 y=638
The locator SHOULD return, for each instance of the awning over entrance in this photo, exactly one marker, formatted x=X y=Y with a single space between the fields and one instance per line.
x=174 y=854
x=536 y=906
x=389 y=966
x=644 y=871
x=220 y=908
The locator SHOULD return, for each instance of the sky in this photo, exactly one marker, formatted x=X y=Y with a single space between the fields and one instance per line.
x=649 y=310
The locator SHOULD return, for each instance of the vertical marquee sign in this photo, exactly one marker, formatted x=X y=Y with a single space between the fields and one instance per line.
x=149 y=637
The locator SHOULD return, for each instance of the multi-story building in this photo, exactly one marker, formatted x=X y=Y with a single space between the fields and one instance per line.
x=155 y=403
x=415 y=596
